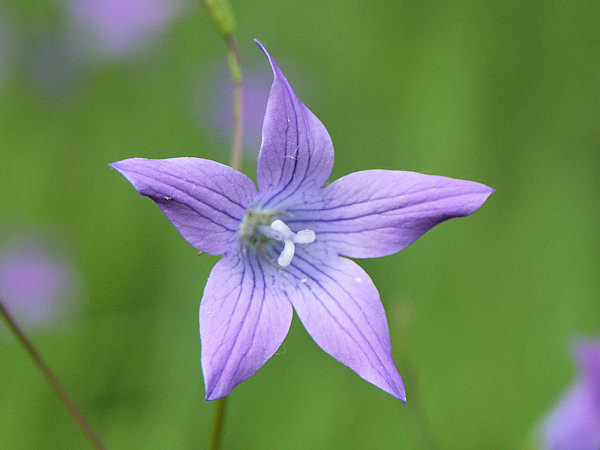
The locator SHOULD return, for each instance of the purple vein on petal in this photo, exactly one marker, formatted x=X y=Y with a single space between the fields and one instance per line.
x=295 y=158
x=365 y=341
x=187 y=195
x=262 y=304
x=280 y=182
x=217 y=378
x=398 y=209
x=383 y=344
x=385 y=199
x=242 y=206
x=301 y=182
x=288 y=161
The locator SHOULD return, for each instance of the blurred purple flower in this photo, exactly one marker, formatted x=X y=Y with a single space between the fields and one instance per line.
x=213 y=105
x=283 y=243
x=575 y=421
x=36 y=284
x=121 y=27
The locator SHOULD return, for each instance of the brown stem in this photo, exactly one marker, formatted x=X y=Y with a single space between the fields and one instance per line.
x=54 y=383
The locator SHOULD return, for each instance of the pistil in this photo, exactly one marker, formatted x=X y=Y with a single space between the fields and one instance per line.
x=279 y=231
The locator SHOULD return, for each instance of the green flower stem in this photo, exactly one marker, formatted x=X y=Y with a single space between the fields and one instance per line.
x=238 y=116
x=221 y=16
x=54 y=383
x=217 y=432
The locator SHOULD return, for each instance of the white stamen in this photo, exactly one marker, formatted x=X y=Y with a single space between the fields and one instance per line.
x=279 y=231
x=304 y=237
x=282 y=228
x=287 y=254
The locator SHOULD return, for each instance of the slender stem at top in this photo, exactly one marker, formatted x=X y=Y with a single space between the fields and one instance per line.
x=219 y=12
x=54 y=383
x=221 y=15
x=238 y=103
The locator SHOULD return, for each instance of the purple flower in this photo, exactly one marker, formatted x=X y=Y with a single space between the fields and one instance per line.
x=122 y=26
x=575 y=421
x=35 y=282
x=282 y=243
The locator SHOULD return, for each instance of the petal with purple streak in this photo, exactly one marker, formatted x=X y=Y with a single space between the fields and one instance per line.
x=374 y=213
x=340 y=308
x=205 y=200
x=296 y=152
x=244 y=318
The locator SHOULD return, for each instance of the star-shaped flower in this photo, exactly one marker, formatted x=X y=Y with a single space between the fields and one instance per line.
x=283 y=243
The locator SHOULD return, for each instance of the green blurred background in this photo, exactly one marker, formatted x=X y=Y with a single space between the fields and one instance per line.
x=481 y=310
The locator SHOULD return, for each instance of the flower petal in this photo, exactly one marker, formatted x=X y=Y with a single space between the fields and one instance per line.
x=340 y=308
x=575 y=421
x=205 y=200
x=244 y=319
x=296 y=151
x=374 y=213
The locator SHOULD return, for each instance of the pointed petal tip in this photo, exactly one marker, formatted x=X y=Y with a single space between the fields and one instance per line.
x=402 y=396
x=124 y=167
x=213 y=391
x=262 y=48
x=121 y=165
x=211 y=397
x=486 y=192
x=274 y=66
x=396 y=391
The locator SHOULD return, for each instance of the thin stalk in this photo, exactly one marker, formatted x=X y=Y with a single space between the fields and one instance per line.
x=217 y=432
x=51 y=378
x=237 y=110
x=221 y=16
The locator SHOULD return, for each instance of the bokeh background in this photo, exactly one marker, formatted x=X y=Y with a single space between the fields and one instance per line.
x=482 y=310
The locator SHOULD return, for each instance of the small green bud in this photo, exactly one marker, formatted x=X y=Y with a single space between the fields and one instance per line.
x=220 y=13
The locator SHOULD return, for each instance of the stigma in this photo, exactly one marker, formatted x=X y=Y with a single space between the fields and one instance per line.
x=279 y=231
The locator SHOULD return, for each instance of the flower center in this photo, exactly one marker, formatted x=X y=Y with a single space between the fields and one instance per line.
x=258 y=228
